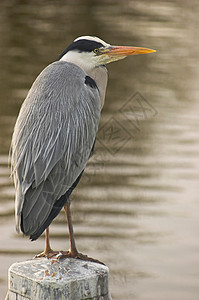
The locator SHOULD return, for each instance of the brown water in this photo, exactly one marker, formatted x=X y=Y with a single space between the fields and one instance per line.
x=137 y=206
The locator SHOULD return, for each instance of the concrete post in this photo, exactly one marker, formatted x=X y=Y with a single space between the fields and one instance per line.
x=67 y=279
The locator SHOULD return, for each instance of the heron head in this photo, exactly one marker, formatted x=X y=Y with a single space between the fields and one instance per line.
x=93 y=52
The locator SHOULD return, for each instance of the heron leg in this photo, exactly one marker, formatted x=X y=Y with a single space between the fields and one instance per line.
x=73 y=252
x=73 y=248
x=47 y=242
x=47 y=250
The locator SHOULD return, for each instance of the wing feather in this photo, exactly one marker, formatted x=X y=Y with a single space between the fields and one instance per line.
x=52 y=140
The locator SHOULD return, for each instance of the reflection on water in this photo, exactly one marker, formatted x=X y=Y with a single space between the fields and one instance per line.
x=136 y=207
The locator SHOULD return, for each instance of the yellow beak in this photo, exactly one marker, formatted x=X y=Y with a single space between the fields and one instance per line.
x=113 y=53
x=125 y=50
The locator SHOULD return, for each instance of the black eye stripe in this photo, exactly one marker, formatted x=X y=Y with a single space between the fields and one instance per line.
x=82 y=46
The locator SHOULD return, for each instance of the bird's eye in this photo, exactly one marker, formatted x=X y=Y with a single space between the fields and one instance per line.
x=96 y=50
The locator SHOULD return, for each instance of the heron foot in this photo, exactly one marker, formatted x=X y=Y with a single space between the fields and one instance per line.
x=77 y=255
x=46 y=253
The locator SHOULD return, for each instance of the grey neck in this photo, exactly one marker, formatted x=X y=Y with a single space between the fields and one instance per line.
x=100 y=75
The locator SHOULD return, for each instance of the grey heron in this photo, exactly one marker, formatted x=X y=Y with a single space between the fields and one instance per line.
x=55 y=133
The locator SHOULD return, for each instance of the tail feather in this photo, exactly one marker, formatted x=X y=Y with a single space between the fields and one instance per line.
x=54 y=211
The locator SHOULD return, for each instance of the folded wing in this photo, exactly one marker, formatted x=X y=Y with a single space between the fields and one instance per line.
x=52 y=140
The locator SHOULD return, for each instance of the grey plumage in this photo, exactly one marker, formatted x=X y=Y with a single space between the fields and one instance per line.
x=55 y=134
x=52 y=140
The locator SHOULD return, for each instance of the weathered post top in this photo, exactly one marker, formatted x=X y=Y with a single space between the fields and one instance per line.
x=70 y=279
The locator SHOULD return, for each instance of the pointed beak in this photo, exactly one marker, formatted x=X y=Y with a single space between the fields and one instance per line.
x=113 y=53
x=126 y=51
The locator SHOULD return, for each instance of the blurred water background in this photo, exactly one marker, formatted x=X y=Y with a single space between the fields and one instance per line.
x=137 y=206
